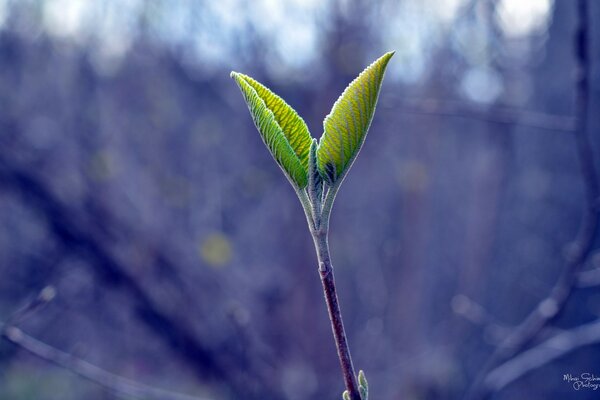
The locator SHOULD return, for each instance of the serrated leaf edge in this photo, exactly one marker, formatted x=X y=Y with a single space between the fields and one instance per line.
x=298 y=181
x=331 y=180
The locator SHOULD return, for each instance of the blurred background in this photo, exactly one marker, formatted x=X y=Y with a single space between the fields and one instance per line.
x=133 y=180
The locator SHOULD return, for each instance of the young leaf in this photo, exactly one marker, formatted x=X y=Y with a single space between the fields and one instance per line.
x=362 y=379
x=347 y=124
x=363 y=385
x=280 y=127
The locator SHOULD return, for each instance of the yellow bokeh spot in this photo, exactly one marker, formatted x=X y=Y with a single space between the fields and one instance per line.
x=215 y=250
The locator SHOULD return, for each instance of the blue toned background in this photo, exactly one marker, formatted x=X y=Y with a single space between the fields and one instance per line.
x=133 y=181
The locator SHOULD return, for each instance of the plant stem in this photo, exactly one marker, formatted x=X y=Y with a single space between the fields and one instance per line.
x=335 y=315
x=318 y=223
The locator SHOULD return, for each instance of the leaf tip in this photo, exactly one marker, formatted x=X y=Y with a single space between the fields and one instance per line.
x=386 y=57
x=347 y=124
x=236 y=76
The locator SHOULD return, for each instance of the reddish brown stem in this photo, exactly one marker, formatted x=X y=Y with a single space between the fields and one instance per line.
x=335 y=315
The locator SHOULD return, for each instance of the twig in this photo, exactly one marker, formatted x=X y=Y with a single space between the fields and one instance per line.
x=475 y=313
x=79 y=238
x=587 y=279
x=553 y=348
x=493 y=114
x=586 y=156
x=550 y=307
x=120 y=386
x=45 y=296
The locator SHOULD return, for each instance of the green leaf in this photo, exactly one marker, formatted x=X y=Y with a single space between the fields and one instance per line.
x=282 y=130
x=362 y=379
x=363 y=385
x=346 y=395
x=347 y=124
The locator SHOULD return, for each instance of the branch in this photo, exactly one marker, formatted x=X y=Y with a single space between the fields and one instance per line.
x=66 y=228
x=120 y=386
x=494 y=114
x=475 y=313
x=578 y=251
x=45 y=296
x=546 y=352
x=588 y=279
x=172 y=329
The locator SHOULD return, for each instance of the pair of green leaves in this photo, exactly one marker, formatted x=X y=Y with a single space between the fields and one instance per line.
x=287 y=136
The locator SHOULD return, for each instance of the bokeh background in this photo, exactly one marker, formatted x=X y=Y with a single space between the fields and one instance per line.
x=132 y=180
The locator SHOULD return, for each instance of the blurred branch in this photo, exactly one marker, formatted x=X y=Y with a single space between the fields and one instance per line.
x=67 y=227
x=587 y=279
x=475 y=313
x=490 y=114
x=590 y=277
x=578 y=251
x=118 y=385
x=542 y=354
x=44 y=297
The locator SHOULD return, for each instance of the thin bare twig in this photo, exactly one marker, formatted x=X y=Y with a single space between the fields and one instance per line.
x=76 y=236
x=120 y=386
x=81 y=238
x=587 y=279
x=475 y=313
x=542 y=354
x=550 y=307
x=45 y=296
x=490 y=114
